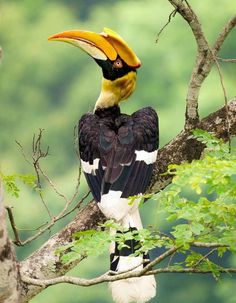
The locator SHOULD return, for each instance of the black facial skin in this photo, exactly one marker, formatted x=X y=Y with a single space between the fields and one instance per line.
x=111 y=71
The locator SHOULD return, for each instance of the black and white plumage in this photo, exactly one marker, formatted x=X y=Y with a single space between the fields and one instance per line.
x=117 y=152
x=117 y=155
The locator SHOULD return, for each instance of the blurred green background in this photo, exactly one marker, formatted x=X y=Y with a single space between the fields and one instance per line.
x=50 y=85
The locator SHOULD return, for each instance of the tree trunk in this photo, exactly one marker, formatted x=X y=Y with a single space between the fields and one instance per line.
x=10 y=287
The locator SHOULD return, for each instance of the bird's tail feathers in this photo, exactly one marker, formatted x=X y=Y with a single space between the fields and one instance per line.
x=140 y=289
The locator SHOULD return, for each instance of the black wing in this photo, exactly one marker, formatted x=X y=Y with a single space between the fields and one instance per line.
x=89 y=131
x=119 y=155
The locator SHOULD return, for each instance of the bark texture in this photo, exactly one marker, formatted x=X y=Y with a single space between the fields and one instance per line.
x=9 y=274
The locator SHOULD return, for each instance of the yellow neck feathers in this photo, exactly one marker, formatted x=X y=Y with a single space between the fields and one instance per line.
x=113 y=92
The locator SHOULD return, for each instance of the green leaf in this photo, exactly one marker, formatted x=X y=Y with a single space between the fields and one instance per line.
x=197 y=228
x=10 y=182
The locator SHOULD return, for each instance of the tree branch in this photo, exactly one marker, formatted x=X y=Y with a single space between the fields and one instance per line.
x=103 y=278
x=109 y=278
x=184 y=148
x=224 y=34
x=205 y=58
x=203 y=54
x=147 y=270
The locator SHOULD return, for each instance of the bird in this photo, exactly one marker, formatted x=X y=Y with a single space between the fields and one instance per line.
x=117 y=152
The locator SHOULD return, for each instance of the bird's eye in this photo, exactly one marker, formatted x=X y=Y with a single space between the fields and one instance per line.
x=118 y=63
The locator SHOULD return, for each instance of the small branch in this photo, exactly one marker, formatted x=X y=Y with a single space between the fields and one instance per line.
x=77 y=206
x=198 y=73
x=171 y=15
x=224 y=34
x=204 y=257
x=159 y=259
x=17 y=240
x=226 y=60
x=207 y=245
x=225 y=99
x=189 y=271
x=37 y=155
x=61 y=215
x=103 y=278
x=217 y=46
x=108 y=278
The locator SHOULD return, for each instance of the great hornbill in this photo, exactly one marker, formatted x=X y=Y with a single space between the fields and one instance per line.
x=117 y=151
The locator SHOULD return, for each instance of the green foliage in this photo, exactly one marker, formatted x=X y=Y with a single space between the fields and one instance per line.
x=10 y=182
x=210 y=218
x=86 y=243
x=96 y=242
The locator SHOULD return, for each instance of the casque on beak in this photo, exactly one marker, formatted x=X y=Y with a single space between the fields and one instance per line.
x=107 y=45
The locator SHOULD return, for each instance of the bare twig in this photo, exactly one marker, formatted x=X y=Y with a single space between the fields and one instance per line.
x=189 y=271
x=77 y=206
x=205 y=257
x=225 y=100
x=37 y=155
x=53 y=186
x=61 y=215
x=226 y=60
x=23 y=152
x=224 y=34
x=171 y=15
x=17 y=240
x=207 y=245
x=171 y=259
x=217 y=46
x=76 y=141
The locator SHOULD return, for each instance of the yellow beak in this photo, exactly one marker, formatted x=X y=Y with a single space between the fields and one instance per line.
x=103 y=46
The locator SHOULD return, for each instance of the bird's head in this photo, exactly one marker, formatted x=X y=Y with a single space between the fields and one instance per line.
x=113 y=55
